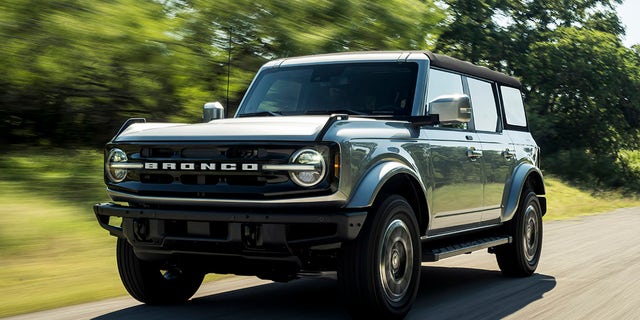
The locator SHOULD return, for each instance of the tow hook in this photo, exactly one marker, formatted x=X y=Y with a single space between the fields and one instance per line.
x=252 y=235
x=141 y=229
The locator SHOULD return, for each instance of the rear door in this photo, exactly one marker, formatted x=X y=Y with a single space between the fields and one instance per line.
x=498 y=159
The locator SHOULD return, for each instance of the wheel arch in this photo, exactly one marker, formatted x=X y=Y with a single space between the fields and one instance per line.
x=392 y=178
x=525 y=175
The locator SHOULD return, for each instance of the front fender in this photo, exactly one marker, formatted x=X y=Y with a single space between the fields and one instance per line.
x=514 y=188
x=367 y=189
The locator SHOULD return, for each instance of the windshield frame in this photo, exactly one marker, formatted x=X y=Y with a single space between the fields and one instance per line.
x=414 y=83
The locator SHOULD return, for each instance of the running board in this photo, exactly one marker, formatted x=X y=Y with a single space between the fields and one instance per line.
x=435 y=254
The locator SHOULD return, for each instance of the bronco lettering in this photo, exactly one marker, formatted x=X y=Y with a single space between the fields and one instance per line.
x=193 y=166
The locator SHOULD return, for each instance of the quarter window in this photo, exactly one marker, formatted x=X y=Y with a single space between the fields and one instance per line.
x=483 y=105
x=513 y=107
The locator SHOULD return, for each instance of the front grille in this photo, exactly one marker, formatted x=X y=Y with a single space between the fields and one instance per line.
x=200 y=153
x=211 y=156
x=156 y=178
x=217 y=171
x=199 y=179
x=255 y=153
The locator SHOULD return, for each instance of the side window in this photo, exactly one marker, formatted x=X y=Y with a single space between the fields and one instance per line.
x=513 y=107
x=483 y=105
x=444 y=83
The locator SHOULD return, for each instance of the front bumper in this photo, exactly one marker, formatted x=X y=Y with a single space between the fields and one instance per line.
x=229 y=232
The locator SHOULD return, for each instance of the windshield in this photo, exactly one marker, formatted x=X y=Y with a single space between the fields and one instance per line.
x=353 y=88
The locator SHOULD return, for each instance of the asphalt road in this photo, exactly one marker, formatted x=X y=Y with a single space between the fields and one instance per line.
x=590 y=269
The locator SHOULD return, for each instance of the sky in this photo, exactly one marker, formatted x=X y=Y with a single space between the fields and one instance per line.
x=628 y=13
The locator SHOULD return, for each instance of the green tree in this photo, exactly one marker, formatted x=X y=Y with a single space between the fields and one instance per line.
x=74 y=70
x=276 y=29
x=473 y=31
x=584 y=89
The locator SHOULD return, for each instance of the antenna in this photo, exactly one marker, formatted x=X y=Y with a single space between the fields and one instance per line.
x=226 y=109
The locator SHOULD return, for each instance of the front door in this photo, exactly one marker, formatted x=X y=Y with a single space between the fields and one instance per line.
x=456 y=160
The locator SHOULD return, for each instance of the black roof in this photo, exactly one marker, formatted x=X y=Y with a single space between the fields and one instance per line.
x=449 y=63
x=468 y=68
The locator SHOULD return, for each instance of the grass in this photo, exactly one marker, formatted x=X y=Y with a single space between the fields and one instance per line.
x=54 y=256
x=54 y=253
x=568 y=202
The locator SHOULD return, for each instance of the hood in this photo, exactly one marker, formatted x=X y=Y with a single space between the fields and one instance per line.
x=289 y=128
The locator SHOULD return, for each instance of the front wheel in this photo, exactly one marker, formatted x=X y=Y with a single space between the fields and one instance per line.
x=153 y=284
x=520 y=258
x=379 y=271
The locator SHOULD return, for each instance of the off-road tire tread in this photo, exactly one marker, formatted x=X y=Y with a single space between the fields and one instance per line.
x=144 y=282
x=356 y=277
x=510 y=257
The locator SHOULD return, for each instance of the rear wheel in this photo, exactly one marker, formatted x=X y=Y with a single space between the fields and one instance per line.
x=379 y=271
x=520 y=258
x=152 y=283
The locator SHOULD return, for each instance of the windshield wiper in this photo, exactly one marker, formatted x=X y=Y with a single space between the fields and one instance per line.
x=261 y=114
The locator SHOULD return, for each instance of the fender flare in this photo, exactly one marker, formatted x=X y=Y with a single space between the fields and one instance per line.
x=366 y=191
x=516 y=185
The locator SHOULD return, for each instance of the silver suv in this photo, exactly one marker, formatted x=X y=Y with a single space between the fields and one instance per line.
x=367 y=164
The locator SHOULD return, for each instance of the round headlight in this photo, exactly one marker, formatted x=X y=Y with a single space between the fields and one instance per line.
x=116 y=174
x=313 y=167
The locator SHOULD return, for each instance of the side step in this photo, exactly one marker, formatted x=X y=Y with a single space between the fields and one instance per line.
x=430 y=254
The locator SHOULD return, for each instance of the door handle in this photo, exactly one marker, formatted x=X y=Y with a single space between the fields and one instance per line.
x=473 y=153
x=509 y=154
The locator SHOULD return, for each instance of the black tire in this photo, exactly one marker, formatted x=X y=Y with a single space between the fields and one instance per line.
x=379 y=271
x=520 y=258
x=149 y=283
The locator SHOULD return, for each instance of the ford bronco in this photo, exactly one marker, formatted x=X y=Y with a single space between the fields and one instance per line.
x=367 y=164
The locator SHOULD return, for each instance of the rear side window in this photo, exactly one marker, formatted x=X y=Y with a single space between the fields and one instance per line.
x=483 y=105
x=513 y=107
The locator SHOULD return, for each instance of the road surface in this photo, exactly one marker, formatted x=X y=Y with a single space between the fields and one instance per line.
x=590 y=269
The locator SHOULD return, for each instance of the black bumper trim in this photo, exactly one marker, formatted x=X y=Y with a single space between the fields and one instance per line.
x=348 y=223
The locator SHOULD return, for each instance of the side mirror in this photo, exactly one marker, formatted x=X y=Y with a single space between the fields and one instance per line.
x=212 y=111
x=451 y=108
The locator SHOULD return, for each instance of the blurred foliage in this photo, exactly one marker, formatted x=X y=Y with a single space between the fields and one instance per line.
x=73 y=71
x=73 y=176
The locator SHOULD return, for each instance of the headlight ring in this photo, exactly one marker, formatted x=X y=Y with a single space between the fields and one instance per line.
x=116 y=174
x=308 y=157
